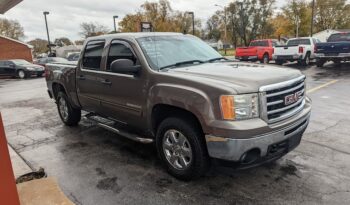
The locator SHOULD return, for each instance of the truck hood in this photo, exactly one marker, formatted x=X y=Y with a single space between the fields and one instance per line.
x=242 y=77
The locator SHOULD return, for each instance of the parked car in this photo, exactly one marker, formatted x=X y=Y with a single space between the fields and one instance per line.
x=194 y=105
x=20 y=68
x=337 y=49
x=73 y=57
x=301 y=50
x=44 y=61
x=261 y=50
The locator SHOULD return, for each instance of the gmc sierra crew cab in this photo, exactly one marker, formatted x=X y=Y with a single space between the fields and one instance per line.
x=261 y=50
x=301 y=50
x=337 y=49
x=176 y=91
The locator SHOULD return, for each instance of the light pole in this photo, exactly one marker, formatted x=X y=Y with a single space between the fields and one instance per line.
x=47 y=30
x=297 y=24
x=225 y=22
x=114 y=22
x=312 y=18
x=192 y=13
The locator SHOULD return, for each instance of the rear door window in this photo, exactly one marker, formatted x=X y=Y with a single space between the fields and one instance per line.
x=93 y=55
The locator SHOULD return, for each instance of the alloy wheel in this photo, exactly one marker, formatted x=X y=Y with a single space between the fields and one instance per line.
x=177 y=149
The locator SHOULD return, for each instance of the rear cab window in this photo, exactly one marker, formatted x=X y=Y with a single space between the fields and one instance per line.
x=93 y=55
x=339 y=37
x=297 y=42
x=260 y=43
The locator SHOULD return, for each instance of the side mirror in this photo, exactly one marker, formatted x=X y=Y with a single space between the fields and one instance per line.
x=124 y=66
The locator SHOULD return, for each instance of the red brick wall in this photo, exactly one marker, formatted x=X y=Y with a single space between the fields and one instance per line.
x=14 y=50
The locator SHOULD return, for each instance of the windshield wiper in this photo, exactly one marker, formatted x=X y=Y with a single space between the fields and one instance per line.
x=216 y=59
x=181 y=63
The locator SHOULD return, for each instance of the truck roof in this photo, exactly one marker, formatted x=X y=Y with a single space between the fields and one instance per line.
x=134 y=35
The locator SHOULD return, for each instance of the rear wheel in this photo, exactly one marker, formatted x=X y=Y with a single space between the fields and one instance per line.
x=21 y=74
x=320 y=63
x=265 y=59
x=69 y=115
x=306 y=60
x=181 y=147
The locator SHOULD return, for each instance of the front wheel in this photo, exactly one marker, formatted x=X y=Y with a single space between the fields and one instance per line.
x=69 y=115
x=181 y=147
x=21 y=74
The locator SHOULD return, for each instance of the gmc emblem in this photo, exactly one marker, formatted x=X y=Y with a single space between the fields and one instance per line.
x=290 y=99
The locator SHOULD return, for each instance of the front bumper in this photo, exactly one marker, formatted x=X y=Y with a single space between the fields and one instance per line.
x=233 y=149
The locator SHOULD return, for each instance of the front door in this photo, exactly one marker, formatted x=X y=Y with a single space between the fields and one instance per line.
x=88 y=75
x=123 y=95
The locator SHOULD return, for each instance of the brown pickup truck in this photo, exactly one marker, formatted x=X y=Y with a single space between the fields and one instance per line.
x=177 y=92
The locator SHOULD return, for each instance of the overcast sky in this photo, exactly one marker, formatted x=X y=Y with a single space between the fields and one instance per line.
x=67 y=15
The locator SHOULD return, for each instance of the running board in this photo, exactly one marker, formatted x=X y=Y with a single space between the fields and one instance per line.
x=108 y=125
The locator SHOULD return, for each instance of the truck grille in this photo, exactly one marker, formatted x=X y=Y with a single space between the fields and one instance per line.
x=274 y=99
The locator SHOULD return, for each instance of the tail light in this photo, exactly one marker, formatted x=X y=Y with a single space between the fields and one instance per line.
x=315 y=48
x=301 y=50
x=273 y=50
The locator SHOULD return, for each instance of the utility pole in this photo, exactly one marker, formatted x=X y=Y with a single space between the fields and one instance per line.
x=225 y=22
x=192 y=13
x=47 y=31
x=114 y=22
x=297 y=24
x=312 y=18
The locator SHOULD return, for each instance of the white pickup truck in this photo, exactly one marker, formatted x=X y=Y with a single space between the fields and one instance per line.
x=297 y=49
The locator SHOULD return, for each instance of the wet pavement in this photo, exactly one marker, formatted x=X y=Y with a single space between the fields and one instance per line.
x=95 y=166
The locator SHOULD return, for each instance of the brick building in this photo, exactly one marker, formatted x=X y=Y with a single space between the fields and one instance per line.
x=14 y=49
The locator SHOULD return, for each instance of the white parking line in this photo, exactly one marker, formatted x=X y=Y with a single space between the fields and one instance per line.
x=321 y=86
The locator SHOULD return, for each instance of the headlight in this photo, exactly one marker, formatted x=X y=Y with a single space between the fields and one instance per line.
x=30 y=68
x=239 y=107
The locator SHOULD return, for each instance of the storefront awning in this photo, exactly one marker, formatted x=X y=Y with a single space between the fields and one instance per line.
x=6 y=5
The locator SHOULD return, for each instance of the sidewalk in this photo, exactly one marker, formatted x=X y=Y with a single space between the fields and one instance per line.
x=19 y=166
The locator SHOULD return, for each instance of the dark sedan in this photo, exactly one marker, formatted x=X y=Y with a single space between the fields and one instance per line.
x=44 y=61
x=20 y=68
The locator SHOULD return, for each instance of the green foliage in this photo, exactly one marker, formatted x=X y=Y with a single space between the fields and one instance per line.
x=40 y=46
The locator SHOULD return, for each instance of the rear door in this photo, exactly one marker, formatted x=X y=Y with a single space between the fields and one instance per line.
x=88 y=76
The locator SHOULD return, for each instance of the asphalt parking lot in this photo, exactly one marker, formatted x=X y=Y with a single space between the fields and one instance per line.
x=95 y=166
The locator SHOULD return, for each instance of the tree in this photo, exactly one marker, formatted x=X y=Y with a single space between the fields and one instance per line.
x=162 y=17
x=79 y=42
x=299 y=14
x=11 y=29
x=92 y=29
x=214 y=26
x=40 y=46
x=63 y=41
x=332 y=14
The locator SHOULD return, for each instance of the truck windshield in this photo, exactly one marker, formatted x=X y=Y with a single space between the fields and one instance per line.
x=339 y=37
x=297 y=42
x=165 y=51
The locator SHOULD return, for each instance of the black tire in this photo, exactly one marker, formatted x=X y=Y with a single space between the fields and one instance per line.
x=22 y=74
x=72 y=115
x=306 y=60
x=265 y=59
x=320 y=63
x=199 y=163
x=279 y=62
